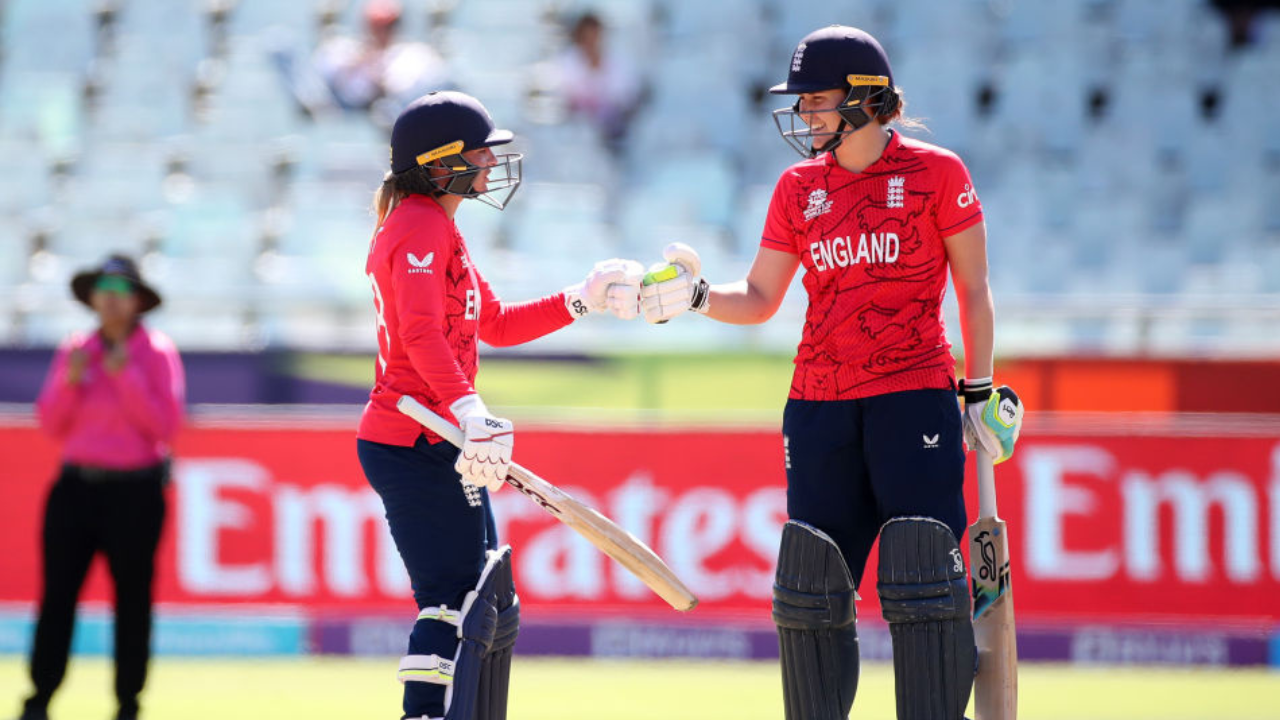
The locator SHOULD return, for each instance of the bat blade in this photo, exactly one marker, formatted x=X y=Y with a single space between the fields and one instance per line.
x=627 y=549
x=995 y=689
x=599 y=530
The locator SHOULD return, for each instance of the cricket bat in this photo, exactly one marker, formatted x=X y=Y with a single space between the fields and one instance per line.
x=995 y=689
x=596 y=528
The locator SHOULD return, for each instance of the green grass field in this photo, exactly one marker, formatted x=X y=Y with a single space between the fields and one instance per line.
x=728 y=388
x=573 y=689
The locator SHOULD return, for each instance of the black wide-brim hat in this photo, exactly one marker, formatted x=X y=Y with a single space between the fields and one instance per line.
x=119 y=266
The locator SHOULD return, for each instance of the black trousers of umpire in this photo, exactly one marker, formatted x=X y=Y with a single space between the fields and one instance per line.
x=120 y=515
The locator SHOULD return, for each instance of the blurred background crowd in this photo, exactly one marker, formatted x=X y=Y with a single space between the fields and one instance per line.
x=1127 y=153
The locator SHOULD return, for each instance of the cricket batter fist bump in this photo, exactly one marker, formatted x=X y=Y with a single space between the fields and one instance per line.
x=671 y=289
x=485 y=456
x=612 y=286
x=992 y=417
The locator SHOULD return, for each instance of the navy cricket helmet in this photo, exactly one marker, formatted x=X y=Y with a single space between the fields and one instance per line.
x=836 y=57
x=436 y=129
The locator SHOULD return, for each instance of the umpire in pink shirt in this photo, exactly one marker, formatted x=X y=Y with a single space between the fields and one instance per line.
x=114 y=400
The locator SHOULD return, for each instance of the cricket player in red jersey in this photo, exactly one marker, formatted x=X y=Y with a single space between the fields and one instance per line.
x=433 y=305
x=873 y=434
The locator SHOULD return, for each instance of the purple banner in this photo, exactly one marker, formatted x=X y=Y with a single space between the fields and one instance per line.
x=1112 y=645
x=1082 y=645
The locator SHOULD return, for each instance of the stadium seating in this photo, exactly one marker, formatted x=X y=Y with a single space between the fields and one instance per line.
x=1123 y=152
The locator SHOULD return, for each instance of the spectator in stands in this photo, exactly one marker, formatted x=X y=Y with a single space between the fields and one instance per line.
x=1241 y=16
x=596 y=83
x=113 y=399
x=377 y=73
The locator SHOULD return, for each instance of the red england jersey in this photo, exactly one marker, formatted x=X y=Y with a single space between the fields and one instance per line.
x=432 y=305
x=875 y=267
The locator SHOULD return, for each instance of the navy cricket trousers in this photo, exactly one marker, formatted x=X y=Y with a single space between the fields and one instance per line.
x=852 y=465
x=442 y=538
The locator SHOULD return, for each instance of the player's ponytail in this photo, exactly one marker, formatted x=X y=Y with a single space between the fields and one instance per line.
x=396 y=187
x=901 y=118
x=384 y=200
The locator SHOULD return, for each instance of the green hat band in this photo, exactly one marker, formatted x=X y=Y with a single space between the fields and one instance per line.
x=114 y=284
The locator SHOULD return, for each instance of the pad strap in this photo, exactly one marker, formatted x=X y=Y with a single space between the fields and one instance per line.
x=431 y=668
x=442 y=613
x=808 y=611
x=426 y=668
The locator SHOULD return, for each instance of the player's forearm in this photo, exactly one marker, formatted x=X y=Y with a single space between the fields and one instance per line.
x=518 y=323
x=739 y=303
x=977 y=327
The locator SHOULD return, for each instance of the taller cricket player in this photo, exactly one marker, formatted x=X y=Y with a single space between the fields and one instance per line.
x=873 y=436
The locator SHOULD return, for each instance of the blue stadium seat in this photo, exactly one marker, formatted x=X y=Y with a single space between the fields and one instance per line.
x=699 y=100
x=764 y=153
x=1101 y=223
x=210 y=225
x=697 y=188
x=1210 y=167
x=1269 y=261
x=1167 y=197
x=939 y=90
x=24 y=178
x=749 y=217
x=13 y=259
x=261 y=16
x=47 y=36
x=328 y=218
x=1252 y=101
x=82 y=239
x=570 y=152
x=1161 y=267
x=560 y=220
x=1026 y=26
x=44 y=108
x=1215 y=223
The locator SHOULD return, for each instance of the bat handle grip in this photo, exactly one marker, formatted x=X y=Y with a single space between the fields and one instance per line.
x=430 y=420
x=986 y=485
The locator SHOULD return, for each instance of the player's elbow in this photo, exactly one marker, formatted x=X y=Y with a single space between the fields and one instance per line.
x=761 y=306
x=759 y=314
x=970 y=282
x=975 y=296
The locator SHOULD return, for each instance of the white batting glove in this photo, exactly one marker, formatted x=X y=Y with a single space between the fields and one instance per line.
x=992 y=417
x=611 y=286
x=486 y=449
x=669 y=290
